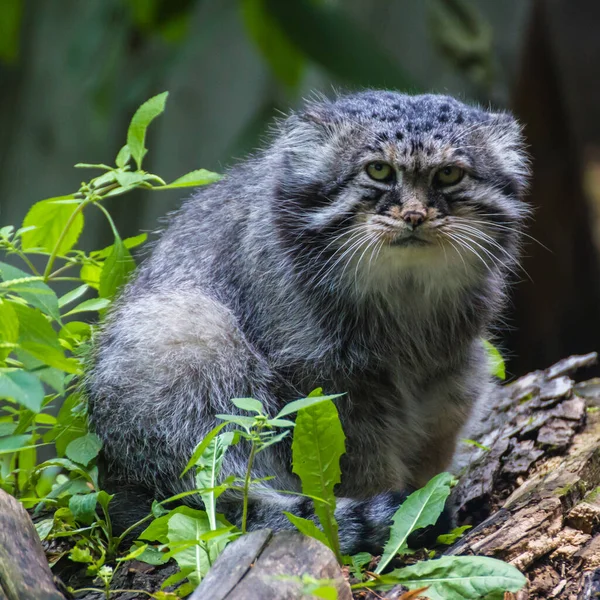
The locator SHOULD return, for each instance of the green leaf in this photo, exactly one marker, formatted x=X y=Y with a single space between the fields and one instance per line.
x=38 y=338
x=307 y=527
x=495 y=360
x=201 y=447
x=207 y=474
x=185 y=528
x=420 y=509
x=116 y=270
x=81 y=555
x=449 y=538
x=11 y=14
x=193 y=179
x=324 y=33
x=36 y=293
x=297 y=405
x=123 y=157
x=50 y=218
x=84 y=449
x=136 y=134
x=92 y=305
x=22 y=387
x=249 y=404
x=317 y=447
x=283 y=57
x=73 y=295
x=244 y=422
x=128 y=179
x=9 y=328
x=90 y=274
x=461 y=578
x=83 y=507
x=12 y=443
x=158 y=530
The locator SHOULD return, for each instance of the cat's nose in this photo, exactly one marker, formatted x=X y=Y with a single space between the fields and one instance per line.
x=413 y=218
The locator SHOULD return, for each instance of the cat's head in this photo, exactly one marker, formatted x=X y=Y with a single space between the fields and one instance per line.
x=378 y=184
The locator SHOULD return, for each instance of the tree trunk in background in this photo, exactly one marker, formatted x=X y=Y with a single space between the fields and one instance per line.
x=558 y=97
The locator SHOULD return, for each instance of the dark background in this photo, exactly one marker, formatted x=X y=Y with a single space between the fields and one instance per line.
x=72 y=72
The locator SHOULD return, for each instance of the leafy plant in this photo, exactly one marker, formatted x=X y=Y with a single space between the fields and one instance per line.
x=43 y=345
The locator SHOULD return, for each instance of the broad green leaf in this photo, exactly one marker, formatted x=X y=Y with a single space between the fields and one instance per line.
x=9 y=328
x=92 y=305
x=84 y=449
x=282 y=56
x=83 y=507
x=192 y=179
x=158 y=530
x=461 y=578
x=495 y=360
x=51 y=376
x=249 y=404
x=38 y=338
x=22 y=387
x=420 y=509
x=297 y=405
x=50 y=219
x=12 y=443
x=207 y=473
x=123 y=157
x=73 y=295
x=307 y=527
x=36 y=293
x=134 y=553
x=185 y=528
x=136 y=134
x=317 y=447
x=116 y=270
x=324 y=33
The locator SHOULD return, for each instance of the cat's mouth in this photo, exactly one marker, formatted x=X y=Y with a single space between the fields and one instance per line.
x=409 y=241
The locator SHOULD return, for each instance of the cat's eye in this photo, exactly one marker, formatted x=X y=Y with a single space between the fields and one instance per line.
x=448 y=176
x=380 y=171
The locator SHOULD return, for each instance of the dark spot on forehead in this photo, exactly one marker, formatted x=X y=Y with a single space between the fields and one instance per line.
x=445 y=108
x=459 y=152
x=438 y=136
x=443 y=118
x=429 y=150
x=399 y=135
x=396 y=106
x=460 y=119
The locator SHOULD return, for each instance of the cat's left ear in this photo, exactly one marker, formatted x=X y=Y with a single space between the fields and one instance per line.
x=505 y=139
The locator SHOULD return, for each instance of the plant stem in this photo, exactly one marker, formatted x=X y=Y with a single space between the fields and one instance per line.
x=247 y=485
x=26 y=260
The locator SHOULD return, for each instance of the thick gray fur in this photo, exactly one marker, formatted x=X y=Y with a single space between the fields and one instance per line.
x=297 y=270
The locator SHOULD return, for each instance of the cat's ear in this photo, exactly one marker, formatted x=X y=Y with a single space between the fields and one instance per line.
x=503 y=135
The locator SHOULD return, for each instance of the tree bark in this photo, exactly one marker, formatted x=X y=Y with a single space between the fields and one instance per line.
x=24 y=570
x=536 y=492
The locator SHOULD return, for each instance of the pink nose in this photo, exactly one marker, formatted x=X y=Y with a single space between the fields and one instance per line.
x=414 y=218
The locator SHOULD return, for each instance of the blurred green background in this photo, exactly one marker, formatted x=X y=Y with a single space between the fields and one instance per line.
x=72 y=72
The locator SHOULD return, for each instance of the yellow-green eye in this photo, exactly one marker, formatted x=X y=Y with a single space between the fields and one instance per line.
x=449 y=176
x=380 y=171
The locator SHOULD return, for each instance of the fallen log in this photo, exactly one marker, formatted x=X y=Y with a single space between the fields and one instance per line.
x=267 y=566
x=532 y=487
x=24 y=570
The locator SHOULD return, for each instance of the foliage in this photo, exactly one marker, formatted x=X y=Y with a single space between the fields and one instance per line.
x=43 y=345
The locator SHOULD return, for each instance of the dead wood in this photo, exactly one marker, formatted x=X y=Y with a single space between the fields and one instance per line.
x=263 y=566
x=24 y=570
x=534 y=488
